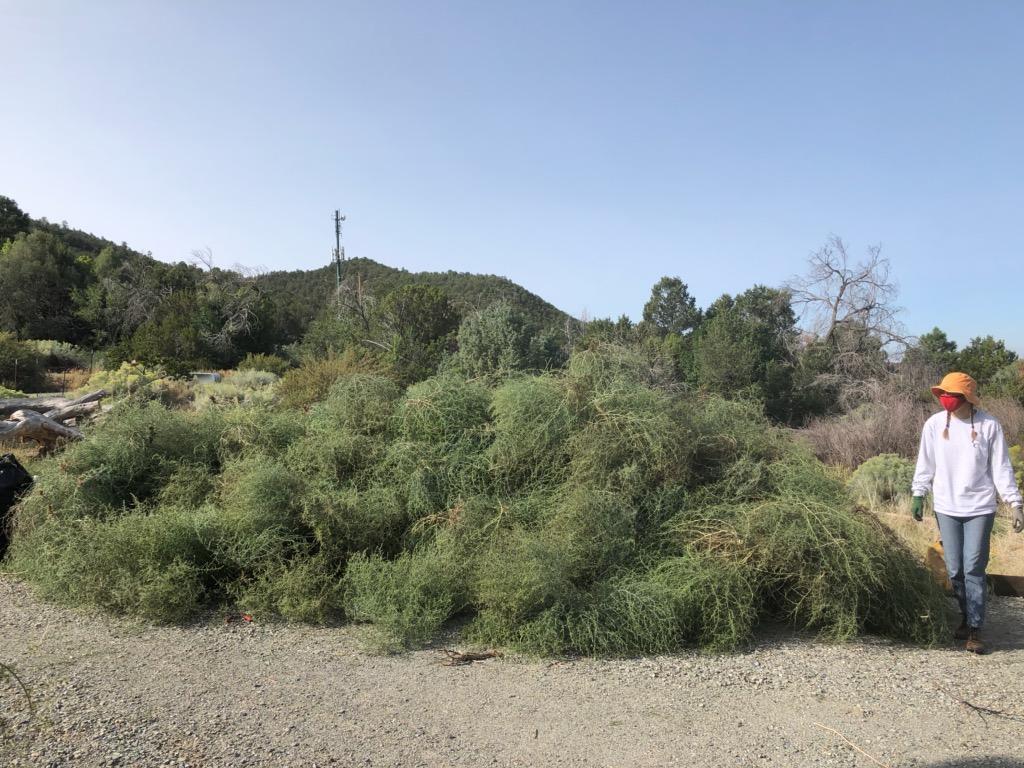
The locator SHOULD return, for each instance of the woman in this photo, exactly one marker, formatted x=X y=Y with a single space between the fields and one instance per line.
x=964 y=461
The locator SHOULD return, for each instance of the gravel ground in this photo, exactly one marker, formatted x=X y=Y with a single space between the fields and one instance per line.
x=110 y=692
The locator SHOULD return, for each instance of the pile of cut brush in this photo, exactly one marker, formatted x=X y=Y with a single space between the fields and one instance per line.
x=595 y=510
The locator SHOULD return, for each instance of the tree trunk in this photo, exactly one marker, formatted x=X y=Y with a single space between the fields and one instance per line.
x=35 y=426
x=45 y=405
x=83 y=404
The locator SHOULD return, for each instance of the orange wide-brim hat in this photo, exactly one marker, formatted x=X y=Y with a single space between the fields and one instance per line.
x=958 y=384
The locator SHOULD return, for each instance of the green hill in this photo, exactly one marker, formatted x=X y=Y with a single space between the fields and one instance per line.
x=301 y=295
x=70 y=285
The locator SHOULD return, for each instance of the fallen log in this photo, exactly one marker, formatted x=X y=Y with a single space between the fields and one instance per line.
x=45 y=405
x=25 y=424
x=38 y=404
x=68 y=413
x=83 y=404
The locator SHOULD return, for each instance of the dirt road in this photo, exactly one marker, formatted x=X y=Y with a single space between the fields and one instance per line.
x=112 y=692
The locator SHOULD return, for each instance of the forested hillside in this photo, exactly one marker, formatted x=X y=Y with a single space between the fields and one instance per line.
x=302 y=295
x=66 y=285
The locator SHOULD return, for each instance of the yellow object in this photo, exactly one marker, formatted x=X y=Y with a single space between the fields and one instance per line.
x=935 y=560
x=958 y=384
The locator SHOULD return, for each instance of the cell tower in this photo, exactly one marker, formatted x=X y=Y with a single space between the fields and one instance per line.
x=339 y=251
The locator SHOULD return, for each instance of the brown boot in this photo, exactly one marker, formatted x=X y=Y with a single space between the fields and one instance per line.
x=974 y=642
x=961 y=632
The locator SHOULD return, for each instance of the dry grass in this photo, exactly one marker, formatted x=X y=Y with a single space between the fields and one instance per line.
x=892 y=426
x=1007 y=556
x=890 y=421
x=67 y=381
x=1010 y=414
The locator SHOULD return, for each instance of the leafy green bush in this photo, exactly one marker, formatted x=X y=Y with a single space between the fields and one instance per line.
x=361 y=403
x=149 y=565
x=884 y=478
x=310 y=382
x=236 y=388
x=443 y=409
x=306 y=589
x=258 y=361
x=61 y=354
x=128 y=379
x=501 y=338
x=20 y=365
x=132 y=454
x=408 y=598
x=532 y=426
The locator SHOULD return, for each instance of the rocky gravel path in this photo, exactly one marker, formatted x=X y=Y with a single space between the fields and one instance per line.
x=110 y=692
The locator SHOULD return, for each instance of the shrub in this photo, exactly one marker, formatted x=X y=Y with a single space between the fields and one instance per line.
x=20 y=365
x=306 y=589
x=130 y=456
x=310 y=382
x=442 y=409
x=890 y=422
x=259 y=429
x=236 y=388
x=882 y=479
x=148 y=565
x=1010 y=415
x=634 y=438
x=501 y=338
x=129 y=379
x=361 y=403
x=344 y=521
x=259 y=361
x=407 y=599
x=532 y=424
x=61 y=354
x=517 y=578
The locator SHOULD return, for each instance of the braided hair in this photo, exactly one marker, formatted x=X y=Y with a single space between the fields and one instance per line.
x=949 y=415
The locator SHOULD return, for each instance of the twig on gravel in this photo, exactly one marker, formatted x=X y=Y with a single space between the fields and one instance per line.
x=982 y=711
x=874 y=760
x=457 y=659
x=7 y=671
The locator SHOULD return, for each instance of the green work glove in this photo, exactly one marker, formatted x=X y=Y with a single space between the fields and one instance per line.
x=1018 y=519
x=917 y=508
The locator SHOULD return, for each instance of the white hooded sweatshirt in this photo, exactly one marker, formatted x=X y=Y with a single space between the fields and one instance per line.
x=964 y=474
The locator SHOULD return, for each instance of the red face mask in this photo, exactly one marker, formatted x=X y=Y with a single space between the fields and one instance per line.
x=951 y=402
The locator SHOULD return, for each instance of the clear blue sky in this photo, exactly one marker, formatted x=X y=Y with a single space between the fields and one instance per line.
x=582 y=149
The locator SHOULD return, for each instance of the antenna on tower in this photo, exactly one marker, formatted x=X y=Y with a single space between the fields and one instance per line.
x=339 y=252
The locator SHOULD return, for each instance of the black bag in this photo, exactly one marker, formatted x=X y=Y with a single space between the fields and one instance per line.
x=14 y=481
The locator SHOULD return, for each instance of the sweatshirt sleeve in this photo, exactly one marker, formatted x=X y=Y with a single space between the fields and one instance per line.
x=1002 y=469
x=925 y=471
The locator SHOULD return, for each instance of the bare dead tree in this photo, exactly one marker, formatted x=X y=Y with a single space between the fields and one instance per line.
x=838 y=292
x=850 y=306
x=203 y=258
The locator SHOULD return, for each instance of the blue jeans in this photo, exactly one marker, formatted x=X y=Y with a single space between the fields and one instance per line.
x=965 y=543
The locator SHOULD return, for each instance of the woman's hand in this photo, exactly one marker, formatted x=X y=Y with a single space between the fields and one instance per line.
x=1018 y=519
x=917 y=508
